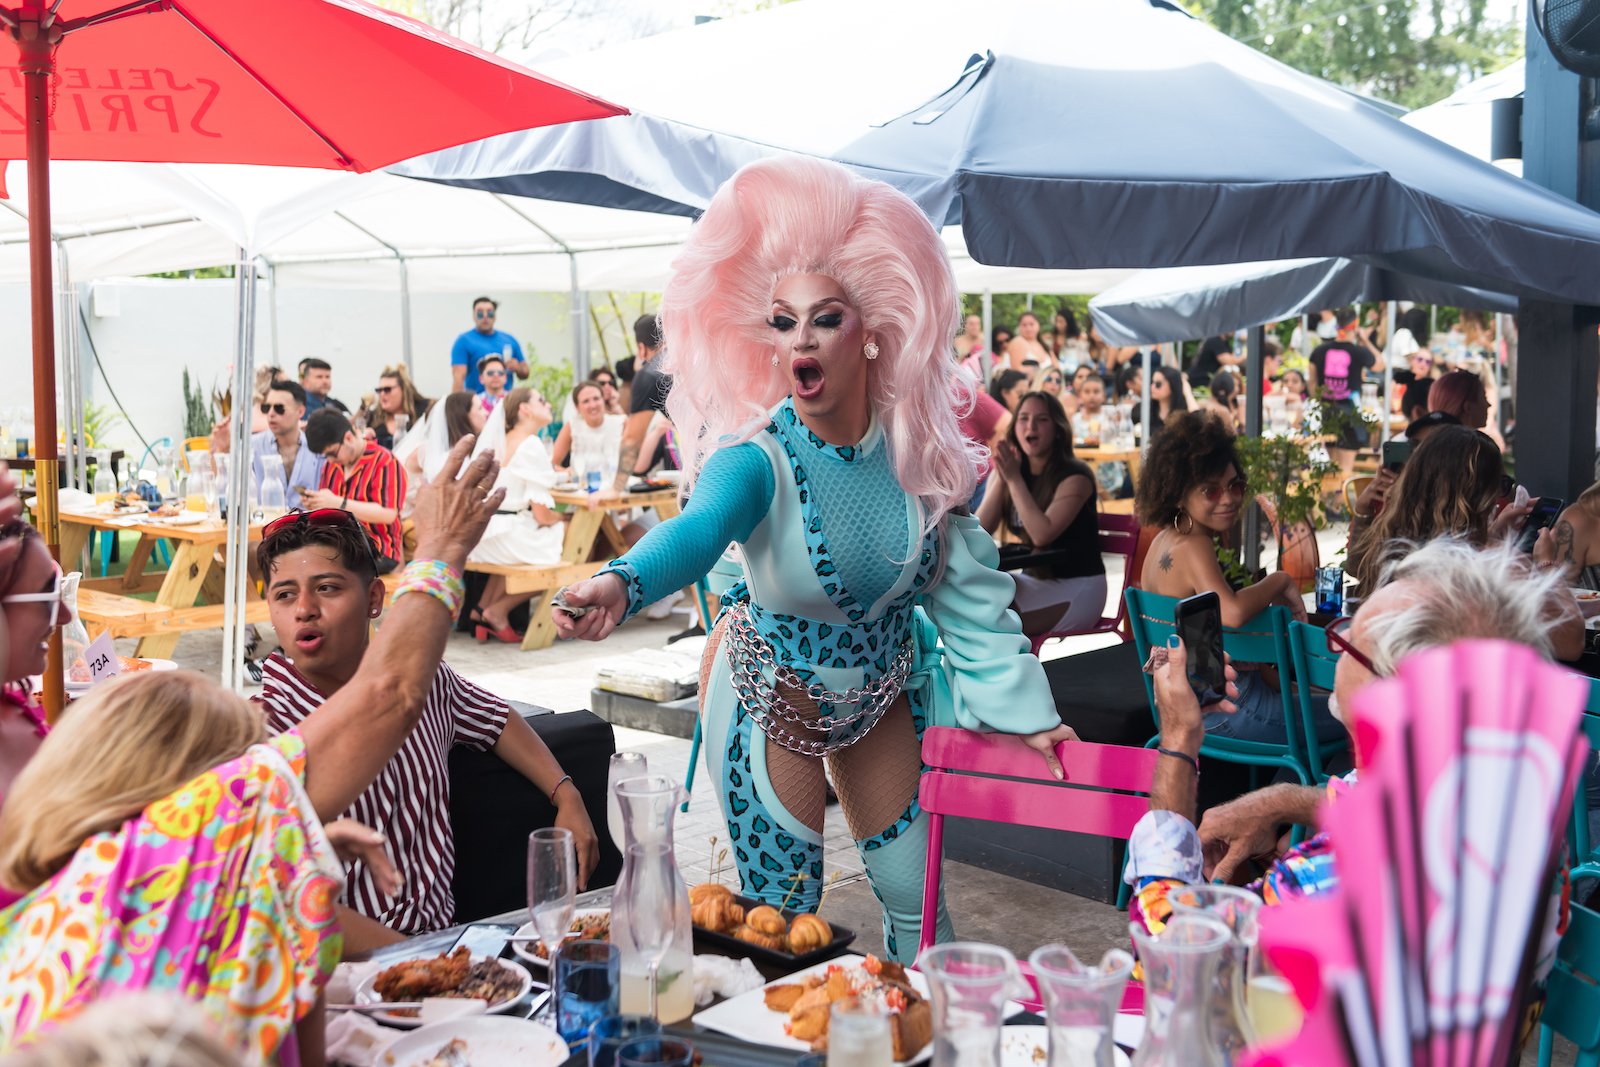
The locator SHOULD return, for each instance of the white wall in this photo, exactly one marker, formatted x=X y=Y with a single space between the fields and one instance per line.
x=163 y=326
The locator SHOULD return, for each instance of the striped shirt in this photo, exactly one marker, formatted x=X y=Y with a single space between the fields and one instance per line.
x=410 y=800
x=377 y=478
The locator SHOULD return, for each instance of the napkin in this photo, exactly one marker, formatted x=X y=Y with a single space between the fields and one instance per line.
x=719 y=976
x=355 y=1040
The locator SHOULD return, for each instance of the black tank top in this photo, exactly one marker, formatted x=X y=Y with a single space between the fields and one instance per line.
x=1079 y=542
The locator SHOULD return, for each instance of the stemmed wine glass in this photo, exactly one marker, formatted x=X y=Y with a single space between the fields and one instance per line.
x=652 y=907
x=552 y=886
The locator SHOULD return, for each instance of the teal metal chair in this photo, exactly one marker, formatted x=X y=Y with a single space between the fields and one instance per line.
x=1581 y=850
x=1572 y=1004
x=1314 y=668
x=1264 y=639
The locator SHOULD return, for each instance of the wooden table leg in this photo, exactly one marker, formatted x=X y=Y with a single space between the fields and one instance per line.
x=74 y=541
x=541 y=632
x=582 y=533
x=131 y=578
x=191 y=566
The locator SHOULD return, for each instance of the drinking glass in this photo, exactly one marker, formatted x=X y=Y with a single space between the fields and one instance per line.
x=624 y=765
x=552 y=885
x=585 y=986
x=652 y=914
x=608 y=1035
x=656 y=1052
x=858 y=1035
x=200 y=492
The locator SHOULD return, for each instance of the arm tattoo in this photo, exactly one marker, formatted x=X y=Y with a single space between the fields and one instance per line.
x=1564 y=537
x=625 y=464
x=1165 y=562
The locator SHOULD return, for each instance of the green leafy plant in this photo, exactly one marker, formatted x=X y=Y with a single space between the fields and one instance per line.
x=196 y=409
x=554 y=382
x=99 y=420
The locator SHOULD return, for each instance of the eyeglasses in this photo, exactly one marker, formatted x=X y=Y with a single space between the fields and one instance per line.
x=1235 y=489
x=52 y=597
x=483 y=314
x=488 y=372
x=604 y=381
x=274 y=409
x=1339 y=644
x=385 y=390
x=1422 y=359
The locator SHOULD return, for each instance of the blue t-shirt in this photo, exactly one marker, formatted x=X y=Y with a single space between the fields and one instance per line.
x=473 y=346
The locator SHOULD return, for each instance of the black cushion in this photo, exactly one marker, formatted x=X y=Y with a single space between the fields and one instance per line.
x=1101 y=695
x=493 y=809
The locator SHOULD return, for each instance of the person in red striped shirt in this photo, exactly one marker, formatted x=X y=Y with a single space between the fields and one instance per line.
x=322 y=593
x=361 y=477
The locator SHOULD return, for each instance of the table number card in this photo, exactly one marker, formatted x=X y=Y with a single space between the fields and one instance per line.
x=102 y=658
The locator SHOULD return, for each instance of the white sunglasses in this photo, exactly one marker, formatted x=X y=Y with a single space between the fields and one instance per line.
x=51 y=597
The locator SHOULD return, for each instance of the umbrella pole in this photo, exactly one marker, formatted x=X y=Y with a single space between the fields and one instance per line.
x=34 y=38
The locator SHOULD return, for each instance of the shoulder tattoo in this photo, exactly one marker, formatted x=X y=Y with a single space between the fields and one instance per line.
x=1165 y=562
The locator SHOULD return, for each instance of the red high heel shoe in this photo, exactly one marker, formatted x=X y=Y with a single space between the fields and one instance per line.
x=482 y=631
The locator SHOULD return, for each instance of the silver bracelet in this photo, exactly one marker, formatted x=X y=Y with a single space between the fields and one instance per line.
x=565 y=778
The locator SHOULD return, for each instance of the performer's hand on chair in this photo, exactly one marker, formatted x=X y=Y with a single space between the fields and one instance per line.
x=607 y=598
x=1045 y=744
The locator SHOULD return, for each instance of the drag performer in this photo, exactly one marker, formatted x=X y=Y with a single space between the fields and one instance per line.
x=808 y=325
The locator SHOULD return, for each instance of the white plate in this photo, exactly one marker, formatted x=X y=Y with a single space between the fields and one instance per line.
x=566 y=487
x=183 y=518
x=525 y=952
x=1029 y=1046
x=366 y=994
x=1588 y=602
x=748 y=1018
x=491 y=1042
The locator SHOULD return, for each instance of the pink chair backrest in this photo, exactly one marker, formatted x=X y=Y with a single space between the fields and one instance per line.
x=997 y=778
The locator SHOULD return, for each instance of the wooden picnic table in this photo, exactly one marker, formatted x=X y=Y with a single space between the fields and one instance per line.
x=1094 y=455
x=195 y=572
x=592 y=524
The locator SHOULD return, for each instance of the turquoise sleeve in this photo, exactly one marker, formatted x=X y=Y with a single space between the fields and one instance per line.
x=988 y=679
x=729 y=499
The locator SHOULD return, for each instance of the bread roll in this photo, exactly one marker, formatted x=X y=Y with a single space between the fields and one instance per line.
x=808 y=933
x=768 y=920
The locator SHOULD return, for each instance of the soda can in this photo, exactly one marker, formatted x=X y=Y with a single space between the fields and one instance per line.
x=592 y=481
x=1330 y=590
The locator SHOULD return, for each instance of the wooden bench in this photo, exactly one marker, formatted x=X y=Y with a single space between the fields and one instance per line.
x=127 y=616
x=542 y=580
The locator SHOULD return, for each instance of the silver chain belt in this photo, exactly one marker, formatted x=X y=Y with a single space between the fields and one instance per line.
x=749 y=653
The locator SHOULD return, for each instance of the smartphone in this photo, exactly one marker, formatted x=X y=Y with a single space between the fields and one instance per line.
x=1542 y=517
x=1395 y=454
x=1199 y=625
x=485 y=939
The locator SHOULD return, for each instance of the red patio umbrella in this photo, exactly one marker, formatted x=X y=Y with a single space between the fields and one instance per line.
x=338 y=84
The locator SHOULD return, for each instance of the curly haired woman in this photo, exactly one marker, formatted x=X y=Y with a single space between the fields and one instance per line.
x=808 y=323
x=1193 y=488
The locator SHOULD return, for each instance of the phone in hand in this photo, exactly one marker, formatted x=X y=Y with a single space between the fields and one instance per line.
x=1542 y=517
x=1395 y=454
x=485 y=939
x=1199 y=626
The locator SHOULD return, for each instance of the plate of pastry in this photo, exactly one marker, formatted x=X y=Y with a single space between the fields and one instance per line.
x=742 y=926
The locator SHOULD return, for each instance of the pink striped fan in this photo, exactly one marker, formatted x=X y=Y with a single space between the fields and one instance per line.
x=1447 y=853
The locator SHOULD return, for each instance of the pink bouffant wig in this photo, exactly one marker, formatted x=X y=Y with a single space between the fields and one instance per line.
x=796 y=215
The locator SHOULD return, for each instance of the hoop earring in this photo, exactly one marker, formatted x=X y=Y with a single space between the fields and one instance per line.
x=1176 y=530
x=870 y=350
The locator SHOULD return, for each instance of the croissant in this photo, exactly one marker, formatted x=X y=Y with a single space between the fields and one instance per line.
x=717 y=912
x=773 y=942
x=706 y=890
x=808 y=933
x=768 y=920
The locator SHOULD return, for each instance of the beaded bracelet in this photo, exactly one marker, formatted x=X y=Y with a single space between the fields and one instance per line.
x=435 y=578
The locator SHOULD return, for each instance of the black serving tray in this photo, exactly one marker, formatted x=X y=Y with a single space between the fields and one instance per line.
x=729 y=945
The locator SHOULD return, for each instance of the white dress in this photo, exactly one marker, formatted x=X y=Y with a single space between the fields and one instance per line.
x=605 y=440
x=514 y=536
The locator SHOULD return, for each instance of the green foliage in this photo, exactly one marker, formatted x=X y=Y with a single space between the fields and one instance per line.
x=1283 y=470
x=1410 y=52
x=99 y=420
x=196 y=410
x=198 y=272
x=1008 y=307
x=554 y=381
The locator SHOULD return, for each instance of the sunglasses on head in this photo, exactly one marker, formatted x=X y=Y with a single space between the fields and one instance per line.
x=1235 y=488
x=51 y=596
x=274 y=409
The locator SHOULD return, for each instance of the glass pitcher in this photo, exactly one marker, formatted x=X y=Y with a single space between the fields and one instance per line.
x=1180 y=979
x=74 y=635
x=650 y=915
x=968 y=986
x=1080 y=1003
x=105 y=482
x=1238 y=910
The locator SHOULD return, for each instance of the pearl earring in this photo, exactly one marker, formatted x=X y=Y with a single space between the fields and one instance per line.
x=774 y=357
x=870 y=350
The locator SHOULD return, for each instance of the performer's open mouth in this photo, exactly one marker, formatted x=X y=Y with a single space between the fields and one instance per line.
x=807 y=377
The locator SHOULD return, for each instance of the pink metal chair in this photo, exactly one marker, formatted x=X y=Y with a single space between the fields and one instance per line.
x=1119 y=536
x=995 y=777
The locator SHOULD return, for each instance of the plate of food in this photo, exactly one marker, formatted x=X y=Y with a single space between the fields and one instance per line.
x=794 y=1011
x=453 y=974
x=1588 y=602
x=1029 y=1046
x=741 y=926
x=478 y=1041
x=588 y=924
